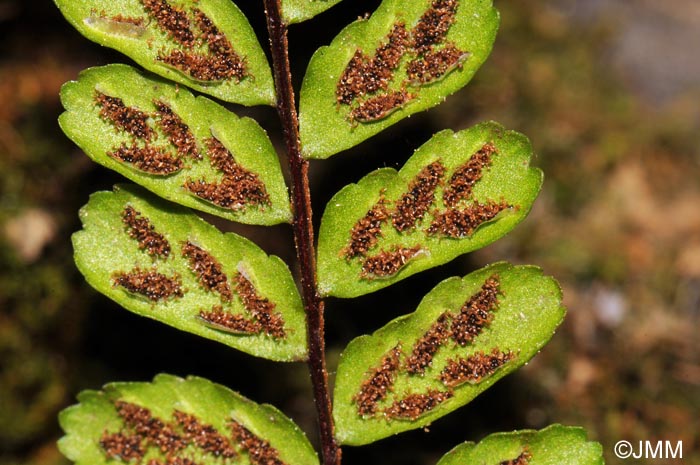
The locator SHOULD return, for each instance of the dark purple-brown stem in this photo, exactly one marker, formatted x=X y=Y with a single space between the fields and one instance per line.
x=303 y=229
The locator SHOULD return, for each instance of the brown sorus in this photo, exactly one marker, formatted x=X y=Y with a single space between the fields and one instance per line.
x=474 y=368
x=388 y=263
x=141 y=229
x=149 y=283
x=172 y=20
x=208 y=270
x=366 y=232
x=155 y=431
x=466 y=176
x=380 y=106
x=238 y=188
x=136 y=21
x=176 y=130
x=379 y=382
x=260 y=452
x=229 y=322
x=126 y=447
x=433 y=25
x=435 y=65
x=125 y=118
x=204 y=436
x=364 y=75
x=522 y=459
x=413 y=205
x=425 y=348
x=414 y=405
x=461 y=223
x=150 y=159
x=476 y=313
x=260 y=307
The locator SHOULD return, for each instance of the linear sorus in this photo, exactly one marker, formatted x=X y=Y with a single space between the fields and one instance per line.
x=435 y=65
x=413 y=406
x=260 y=307
x=149 y=283
x=204 y=436
x=456 y=223
x=412 y=205
x=380 y=106
x=466 y=176
x=208 y=270
x=140 y=228
x=474 y=368
x=476 y=313
x=125 y=447
x=125 y=118
x=172 y=20
x=378 y=384
x=229 y=322
x=366 y=232
x=149 y=159
x=178 y=133
x=425 y=348
x=154 y=431
x=259 y=451
x=433 y=25
x=388 y=263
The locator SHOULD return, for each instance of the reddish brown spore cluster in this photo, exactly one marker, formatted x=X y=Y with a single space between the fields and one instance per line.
x=425 y=348
x=151 y=159
x=378 y=384
x=466 y=176
x=204 y=436
x=260 y=452
x=220 y=64
x=126 y=447
x=476 y=313
x=142 y=431
x=238 y=187
x=380 y=106
x=435 y=65
x=136 y=21
x=388 y=263
x=366 y=232
x=176 y=130
x=125 y=118
x=229 y=322
x=413 y=205
x=208 y=270
x=456 y=223
x=149 y=283
x=364 y=75
x=141 y=229
x=260 y=307
x=172 y=20
x=154 y=431
x=473 y=368
x=522 y=459
x=413 y=406
x=433 y=25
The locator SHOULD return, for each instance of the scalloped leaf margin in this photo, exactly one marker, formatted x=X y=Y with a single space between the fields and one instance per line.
x=466 y=334
x=207 y=45
x=380 y=70
x=106 y=422
x=163 y=138
x=457 y=193
x=553 y=445
x=164 y=262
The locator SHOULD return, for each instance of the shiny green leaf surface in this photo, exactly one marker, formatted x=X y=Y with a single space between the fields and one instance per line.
x=407 y=57
x=178 y=419
x=296 y=11
x=457 y=193
x=554 y=445
x=189 y=150
x=466 y=334
x=164 y=262
x=207 y=45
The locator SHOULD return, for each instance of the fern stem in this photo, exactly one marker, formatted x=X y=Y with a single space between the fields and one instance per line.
x=303 y=229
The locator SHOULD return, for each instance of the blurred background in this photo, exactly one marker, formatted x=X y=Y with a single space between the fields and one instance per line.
x=608 y=91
